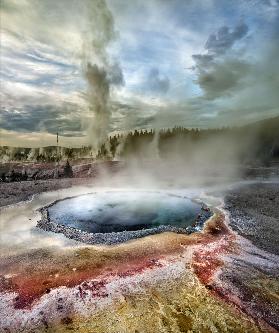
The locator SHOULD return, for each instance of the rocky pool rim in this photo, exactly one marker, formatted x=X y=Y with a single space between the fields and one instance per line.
x=113 y=238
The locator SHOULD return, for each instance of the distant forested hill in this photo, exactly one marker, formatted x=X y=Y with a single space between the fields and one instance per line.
x=254 y=143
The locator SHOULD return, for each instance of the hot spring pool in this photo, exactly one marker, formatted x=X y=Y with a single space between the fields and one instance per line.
x=105 y=212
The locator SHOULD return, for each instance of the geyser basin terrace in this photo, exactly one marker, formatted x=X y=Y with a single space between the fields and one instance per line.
x=112 y=217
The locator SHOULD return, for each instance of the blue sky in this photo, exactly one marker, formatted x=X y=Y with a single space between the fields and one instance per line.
x=202 y=63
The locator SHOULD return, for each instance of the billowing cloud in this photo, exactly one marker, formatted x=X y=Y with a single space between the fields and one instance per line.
x=225 y=38
x=221 y=78
x=156 y=82
x=202 y=60
x=94 y=64
x=219 y=71
x=40 y=118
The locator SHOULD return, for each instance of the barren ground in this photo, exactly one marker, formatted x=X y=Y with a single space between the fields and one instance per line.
x=11 y=193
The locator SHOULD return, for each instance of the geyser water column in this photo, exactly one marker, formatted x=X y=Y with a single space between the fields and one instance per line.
x=117 y=216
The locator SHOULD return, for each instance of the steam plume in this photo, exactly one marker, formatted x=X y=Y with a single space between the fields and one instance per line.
x=98 y=95
x=99 y=70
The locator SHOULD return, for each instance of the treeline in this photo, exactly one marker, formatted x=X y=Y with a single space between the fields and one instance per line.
x=254 y=143
x=257 y=143
x=44 y=154
x=22 y=174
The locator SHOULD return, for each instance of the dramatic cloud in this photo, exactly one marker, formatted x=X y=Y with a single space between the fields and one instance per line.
x=86 y=68
x=224 y=39
x=219 y=72
x=157 y=83
x=222 y=77
x=202 y=60
x=38 y=118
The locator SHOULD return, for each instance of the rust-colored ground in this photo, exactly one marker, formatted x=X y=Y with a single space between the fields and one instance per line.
x=187 y=300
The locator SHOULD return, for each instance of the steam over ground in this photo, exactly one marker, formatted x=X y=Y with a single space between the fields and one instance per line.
x=151 y=157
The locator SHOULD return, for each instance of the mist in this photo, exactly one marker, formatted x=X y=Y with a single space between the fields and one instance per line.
x=100 y=70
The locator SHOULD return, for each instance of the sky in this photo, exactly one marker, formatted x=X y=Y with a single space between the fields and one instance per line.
x=89 y=68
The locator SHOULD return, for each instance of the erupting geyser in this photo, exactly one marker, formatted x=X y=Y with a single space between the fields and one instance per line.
x=117 y=216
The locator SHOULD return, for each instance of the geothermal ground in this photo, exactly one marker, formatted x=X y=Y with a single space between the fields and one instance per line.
x=222 y=278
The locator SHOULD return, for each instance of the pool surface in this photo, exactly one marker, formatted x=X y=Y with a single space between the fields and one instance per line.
x=117 y=211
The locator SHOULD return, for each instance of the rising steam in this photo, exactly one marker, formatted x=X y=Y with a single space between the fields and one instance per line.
x=98 y=95
x=100 y=71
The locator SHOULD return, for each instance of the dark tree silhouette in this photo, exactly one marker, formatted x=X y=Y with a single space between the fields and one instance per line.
x=3 y=177
x=24 y=176
x=68 y=171
x=13 y=176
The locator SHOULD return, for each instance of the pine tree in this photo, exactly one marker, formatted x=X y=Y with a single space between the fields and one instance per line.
x=3 y=177
x=68 y=171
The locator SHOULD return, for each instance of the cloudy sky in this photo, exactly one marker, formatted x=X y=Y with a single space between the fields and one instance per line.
x=86 y=68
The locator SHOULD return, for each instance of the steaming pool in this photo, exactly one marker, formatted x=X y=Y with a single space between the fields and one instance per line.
x=117 y=216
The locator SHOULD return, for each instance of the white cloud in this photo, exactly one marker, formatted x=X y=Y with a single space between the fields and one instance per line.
x=43 y=45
